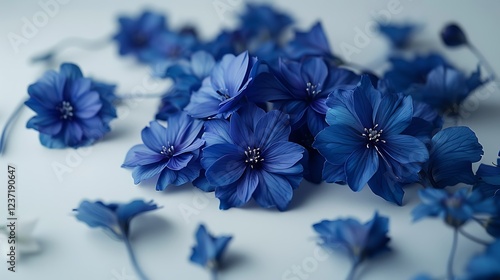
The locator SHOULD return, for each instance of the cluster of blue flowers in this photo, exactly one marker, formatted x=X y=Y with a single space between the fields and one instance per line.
x=251 y=114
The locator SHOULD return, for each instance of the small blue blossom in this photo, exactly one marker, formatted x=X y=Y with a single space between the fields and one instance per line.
x=209 y=250
x=223 y=92
x=446 y=88
x=115 y=218
x=310 y=43
x=404 y=73
x=398 y=35
x=136 y=34
x=454 y=208
x=358 y=241
x=188 y=77
x=452 y=152
x=250 y=156
x=485 y=266
x=300 y=89
x=453 y=35
x=168 y=46
x=72 y=111
x=364 y=142
x=172 y=152
x=263 y=21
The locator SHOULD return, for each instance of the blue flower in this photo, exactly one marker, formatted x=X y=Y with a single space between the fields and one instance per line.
x=358 y=241
x=311 y=43
x=72 y=111
x=488 y=179
x=453 y=36
x=209 y=250
x=446 y=88
x=398 y=35
x=452 y=152
x=136 y=34
x=250 y=156
x=301 y=90
x=168 y=46
x=454 y=208
x=403 y=73
x=364 y=142
x=485 y=266
x=187 y=76
x=263 y=21
x=115 y=219
x=172 y=152
x=224 y=91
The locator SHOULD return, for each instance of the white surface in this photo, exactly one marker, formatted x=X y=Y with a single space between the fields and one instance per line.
x=266 y=243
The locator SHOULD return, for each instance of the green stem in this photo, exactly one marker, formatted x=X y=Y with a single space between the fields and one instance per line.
x=133 y=259
x=452 y=255
x=352 y=272
x=214 y=274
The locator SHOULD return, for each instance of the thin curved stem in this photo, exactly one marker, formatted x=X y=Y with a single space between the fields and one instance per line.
x=133 y=259
x=87 y=44
x=451 y=276
x=473 y=238
x=8 y=124
x=352 y=272
x=483 y=61
x=214 y=274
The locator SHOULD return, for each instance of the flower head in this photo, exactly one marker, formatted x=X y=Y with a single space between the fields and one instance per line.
x=263 y=21
x=446 y=88
x=300 y=89
x=487 y=265
x=454 y=208
x=115 y=218
x=250 y=156
x=310 y=43
x=187 y=76
x=171 y=152
x=136 y=34
x=452 y=152
x=398 y=35
x=453 y=35
x=364 y=141
x=209 y=249
x=223 y=92
x=72 y=111
x=358 y=241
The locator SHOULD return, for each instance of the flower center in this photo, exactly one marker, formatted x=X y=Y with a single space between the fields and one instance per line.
x=66 y=110
x=312 y=90
x=253 y=157
x=373 y=135
x=223 y=93
x=167 y=151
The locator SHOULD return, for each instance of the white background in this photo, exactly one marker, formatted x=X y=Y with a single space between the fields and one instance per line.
x=266 y=243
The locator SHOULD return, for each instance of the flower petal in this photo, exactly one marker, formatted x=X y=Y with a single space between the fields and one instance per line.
x=360 y=167
x=337 y=142
x=248 y=184
x=141 y=155
x=273 y=191
x=178 y=162
x=226 y=170
x=281 y=155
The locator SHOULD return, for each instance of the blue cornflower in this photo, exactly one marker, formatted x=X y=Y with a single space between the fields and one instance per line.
x=454 y=208
x=171 y=152
x=358 y=241
x=310 y=43
x=446 y=88
x=452 y=152
x=453 y=35
x=263 y=21
x=398 y=35
x=223 y=92
x=404 y=73
x=485 y=266
x=209 y=250
x=300 y=89
x=72 y=111
x=488 y=179
x=187 y=76
x=250 y=156
x=115 y=218
x=136 y=34
x=364 y=142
